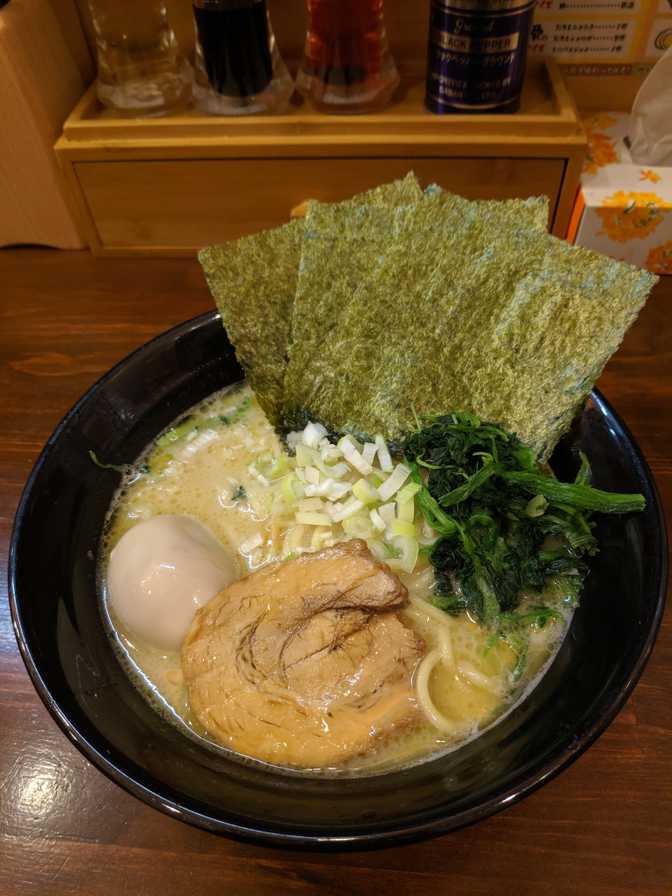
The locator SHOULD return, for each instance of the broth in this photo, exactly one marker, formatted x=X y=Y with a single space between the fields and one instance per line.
x=211 y=478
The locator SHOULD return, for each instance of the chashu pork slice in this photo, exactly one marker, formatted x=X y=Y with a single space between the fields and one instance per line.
x=305 y=662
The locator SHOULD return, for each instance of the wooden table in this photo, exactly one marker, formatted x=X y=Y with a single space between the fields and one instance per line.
x=602 y=828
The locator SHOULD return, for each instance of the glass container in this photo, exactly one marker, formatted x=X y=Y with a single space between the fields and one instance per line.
x=347 y=65
x=239 y=70
x=141 y=70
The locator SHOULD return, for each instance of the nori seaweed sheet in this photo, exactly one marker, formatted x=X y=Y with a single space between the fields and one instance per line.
x=395 y=304
x=534 y=210
x=470 y=307
x=342 y=245
x=331 y=267
x=253 y=281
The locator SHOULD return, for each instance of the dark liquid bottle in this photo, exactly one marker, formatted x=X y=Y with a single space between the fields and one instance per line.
x=238 y=68
x=347 y=65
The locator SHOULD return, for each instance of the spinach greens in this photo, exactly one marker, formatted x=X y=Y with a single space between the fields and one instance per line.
x=505 y=527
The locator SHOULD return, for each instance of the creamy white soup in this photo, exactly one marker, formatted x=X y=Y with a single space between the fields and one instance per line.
x=207 y=468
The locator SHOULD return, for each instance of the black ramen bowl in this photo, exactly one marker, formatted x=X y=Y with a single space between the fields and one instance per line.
x=63 y=640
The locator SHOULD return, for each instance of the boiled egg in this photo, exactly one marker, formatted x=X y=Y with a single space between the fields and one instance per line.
x=160 y=572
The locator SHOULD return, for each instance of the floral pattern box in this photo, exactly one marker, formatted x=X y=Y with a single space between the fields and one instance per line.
x=623 y=209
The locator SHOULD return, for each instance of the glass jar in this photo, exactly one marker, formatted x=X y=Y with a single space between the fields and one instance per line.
x=141 y=70
x=239 y=70
x=347 y=65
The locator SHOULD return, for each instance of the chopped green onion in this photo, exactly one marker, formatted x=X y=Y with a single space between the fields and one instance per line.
x=409 y=491
x=358 y=526
x=378 y=522
x=305 y=456
x=159 y=460
x=353 y=456
x=320 y=537
x=280 y=466
x=313 y=433
x=175 y=433
x=334 y=471
x=365 y=492
x=408 y=554
x=387 y=513
x=406 y=510
x=378 y=549
x=118 y=468
x=255 y=474
x=313 y=519
x=402 y=527
x=343 y=511
x=384 y=458
x=369 y=452
x=311 y=504
x=288 y=490
x=338 y=490
x=312 y=475
x=394 y=482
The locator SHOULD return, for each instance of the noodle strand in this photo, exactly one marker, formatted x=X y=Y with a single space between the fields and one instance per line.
x=427 y=705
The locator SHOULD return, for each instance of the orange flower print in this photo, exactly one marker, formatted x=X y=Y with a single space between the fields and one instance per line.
x=659 y=259
x=600 y=146
x=600 y=152
x=629 y=216
x=648 y=174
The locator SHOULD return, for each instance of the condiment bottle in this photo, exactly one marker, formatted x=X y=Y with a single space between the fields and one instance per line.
x=476 y=54
x=347 y=65
x=239 y=70
x=141 y=70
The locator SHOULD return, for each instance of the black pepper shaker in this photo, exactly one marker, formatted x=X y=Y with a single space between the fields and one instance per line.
x=476 y=55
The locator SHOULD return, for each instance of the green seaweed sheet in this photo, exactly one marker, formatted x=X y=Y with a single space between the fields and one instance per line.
x=533 y=210
x=331 y=267
x=253 y=281
x=470 y=307
x=343 y=245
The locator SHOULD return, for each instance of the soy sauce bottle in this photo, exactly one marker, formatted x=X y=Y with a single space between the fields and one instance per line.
x=238 y=67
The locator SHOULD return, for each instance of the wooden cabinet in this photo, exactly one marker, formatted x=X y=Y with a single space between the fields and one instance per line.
x=172 y=185
x=182 y=205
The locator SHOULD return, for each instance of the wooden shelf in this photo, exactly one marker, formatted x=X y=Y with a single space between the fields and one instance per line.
x=547 y=111
x=169 y=185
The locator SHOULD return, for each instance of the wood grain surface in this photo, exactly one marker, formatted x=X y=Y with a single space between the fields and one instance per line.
x=603 y=827
x=128 y=217
x=167 y=185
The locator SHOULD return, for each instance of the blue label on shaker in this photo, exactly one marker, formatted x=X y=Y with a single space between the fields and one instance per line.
x=476 y=55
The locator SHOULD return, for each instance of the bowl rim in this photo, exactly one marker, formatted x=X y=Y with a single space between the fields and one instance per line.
x=534 y=778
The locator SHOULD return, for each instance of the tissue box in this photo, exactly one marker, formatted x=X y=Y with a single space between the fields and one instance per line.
x=622 y=209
